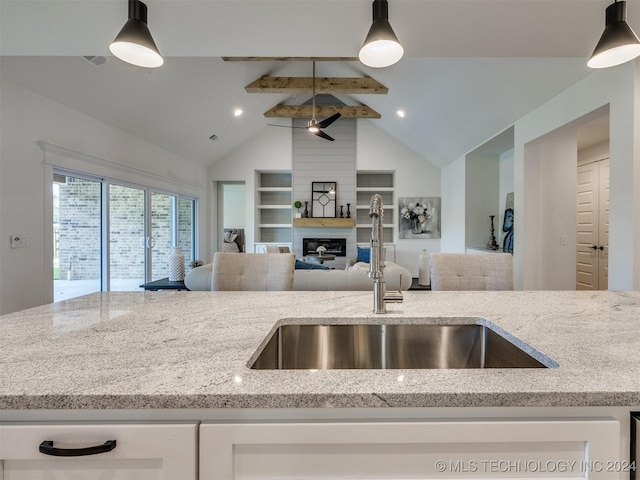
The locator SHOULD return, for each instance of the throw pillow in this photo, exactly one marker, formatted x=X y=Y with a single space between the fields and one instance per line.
x=300 y=265
x=364 y=254
x=360 y=266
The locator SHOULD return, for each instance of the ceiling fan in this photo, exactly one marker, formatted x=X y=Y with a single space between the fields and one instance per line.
x=314 y=126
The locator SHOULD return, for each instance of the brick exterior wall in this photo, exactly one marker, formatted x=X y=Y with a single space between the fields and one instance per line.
x=78 y=241
x=79 y=230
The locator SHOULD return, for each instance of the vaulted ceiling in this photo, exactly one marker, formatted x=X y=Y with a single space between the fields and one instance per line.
x=471 y=67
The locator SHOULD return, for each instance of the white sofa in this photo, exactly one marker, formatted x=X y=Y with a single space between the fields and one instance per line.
x=355 y=278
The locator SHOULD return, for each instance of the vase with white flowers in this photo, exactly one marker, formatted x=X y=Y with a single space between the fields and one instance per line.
x=416 y=215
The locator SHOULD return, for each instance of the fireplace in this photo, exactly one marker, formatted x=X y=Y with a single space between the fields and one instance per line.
x=334 y=246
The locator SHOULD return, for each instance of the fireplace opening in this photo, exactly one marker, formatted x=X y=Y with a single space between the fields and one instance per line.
x=334 y=246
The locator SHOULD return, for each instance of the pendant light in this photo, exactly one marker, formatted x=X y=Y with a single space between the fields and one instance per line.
x=134 y=44
x=618 y=44
x=381 y=48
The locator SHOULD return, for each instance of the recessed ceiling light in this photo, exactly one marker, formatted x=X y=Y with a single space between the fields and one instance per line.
x=237 y=112
x=400 y=113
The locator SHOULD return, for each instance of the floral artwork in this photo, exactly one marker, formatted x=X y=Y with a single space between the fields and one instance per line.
x=419 y=217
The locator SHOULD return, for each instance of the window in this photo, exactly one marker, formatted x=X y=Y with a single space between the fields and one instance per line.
x=111 y=236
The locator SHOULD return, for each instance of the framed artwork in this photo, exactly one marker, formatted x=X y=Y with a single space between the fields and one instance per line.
x=233 y=240
x=507 y=225
x=419 y=217
x=323 y=199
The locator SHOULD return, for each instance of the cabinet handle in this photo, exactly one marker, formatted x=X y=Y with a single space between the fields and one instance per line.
x=47 y=448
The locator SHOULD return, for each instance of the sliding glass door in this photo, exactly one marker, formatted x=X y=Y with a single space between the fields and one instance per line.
x=127 y=238
x=162 y=233
x=115 y=237
x=77 y=236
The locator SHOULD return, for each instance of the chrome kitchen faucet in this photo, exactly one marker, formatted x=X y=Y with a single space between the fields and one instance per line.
x=376 y=265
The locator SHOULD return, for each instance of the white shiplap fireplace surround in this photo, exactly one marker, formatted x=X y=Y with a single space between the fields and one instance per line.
x=319 y=160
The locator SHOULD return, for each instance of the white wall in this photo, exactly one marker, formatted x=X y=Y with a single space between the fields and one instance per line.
x=453 y=206
x=619 y=88
x=26 y=274
x=375 y=150
x=234 y=205
x=415 y=177
x=551 y=188
x=593 y=153
x=481 y=199
x=269 y=150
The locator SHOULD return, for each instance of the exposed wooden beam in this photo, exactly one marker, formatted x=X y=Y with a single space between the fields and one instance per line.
x=322 y=111
x=290 y=59
x=323 y=85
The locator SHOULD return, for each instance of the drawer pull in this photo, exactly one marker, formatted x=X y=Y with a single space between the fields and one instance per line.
x=47 y=448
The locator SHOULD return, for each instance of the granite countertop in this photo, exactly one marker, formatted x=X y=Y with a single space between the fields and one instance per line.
x=178 y=350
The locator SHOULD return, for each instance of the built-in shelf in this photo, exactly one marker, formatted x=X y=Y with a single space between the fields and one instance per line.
x=274 y=207
x=324 y=222
x=368 y=183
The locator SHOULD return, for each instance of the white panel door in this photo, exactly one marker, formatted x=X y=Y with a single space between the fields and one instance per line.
x=592 y=226
x=603 y=225
x=140 y=451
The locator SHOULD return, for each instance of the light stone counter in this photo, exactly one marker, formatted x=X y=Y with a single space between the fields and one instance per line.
x=183 y=350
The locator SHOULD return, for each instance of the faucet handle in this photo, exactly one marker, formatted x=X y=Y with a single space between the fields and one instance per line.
x=395 y=296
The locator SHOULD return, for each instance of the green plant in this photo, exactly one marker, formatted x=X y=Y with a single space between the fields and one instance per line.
x=297 y=204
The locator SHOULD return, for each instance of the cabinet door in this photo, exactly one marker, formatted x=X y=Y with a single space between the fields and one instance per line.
x=417 y=450
x=142 y=451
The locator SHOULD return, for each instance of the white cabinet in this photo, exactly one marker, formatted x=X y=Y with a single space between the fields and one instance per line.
x=367 y=184
x=532 y=448
x=274 y=208
x=166 y=451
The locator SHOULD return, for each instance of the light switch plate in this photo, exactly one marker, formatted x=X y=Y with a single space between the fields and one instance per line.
x=18 y=241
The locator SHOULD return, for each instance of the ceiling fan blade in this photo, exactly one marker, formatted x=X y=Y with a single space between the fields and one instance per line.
x=328 y=121
x=321 y=134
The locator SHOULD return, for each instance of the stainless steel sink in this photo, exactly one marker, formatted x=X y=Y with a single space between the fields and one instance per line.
x=397 y=346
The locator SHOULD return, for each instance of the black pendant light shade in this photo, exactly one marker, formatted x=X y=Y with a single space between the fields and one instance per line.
x=618 y=44
x=134 y=44
x=381 y=48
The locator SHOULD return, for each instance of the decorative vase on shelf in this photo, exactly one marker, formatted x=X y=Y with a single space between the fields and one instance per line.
x=348 y=210
x=305 y=214
x=176 y=265
x=423 y=268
